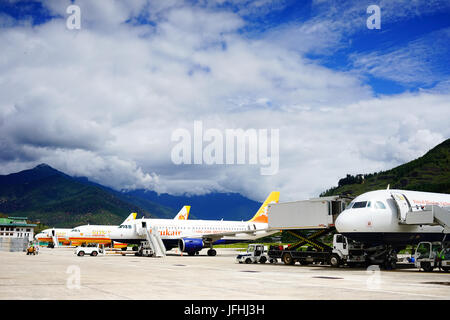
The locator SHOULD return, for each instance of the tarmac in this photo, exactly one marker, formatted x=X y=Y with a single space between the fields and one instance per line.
x=59 y=274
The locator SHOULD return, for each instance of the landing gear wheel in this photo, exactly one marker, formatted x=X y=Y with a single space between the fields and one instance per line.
x=191 y=253
x=287 y=259
x=212 y=252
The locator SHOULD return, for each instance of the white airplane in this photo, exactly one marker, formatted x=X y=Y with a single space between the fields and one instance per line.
x=376 y=219
x=191 y=236
x=62 y=236
x=101 y=233
x=97 y=233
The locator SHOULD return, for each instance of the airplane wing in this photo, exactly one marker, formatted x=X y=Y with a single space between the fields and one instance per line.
x=217 y=236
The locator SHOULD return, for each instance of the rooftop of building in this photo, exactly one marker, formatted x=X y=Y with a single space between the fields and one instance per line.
x=16 y=222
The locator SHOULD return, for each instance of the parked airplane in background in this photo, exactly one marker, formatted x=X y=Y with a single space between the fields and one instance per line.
x=392 y=219
x=97 y=233
x=191 y=236
x=101 y=234
x=47 y=236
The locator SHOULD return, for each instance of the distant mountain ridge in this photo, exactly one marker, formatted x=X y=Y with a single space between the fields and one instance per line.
x=430 y=173
x=212 y=206
x=56 y=199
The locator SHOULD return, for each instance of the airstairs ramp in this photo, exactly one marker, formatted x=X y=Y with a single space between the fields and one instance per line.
x=153 y=240
x=429 y=215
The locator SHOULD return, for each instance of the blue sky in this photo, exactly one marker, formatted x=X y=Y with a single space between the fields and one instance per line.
x=108 y=97
x=396 y=32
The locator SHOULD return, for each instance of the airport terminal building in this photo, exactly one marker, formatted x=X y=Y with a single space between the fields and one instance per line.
x=15 y=233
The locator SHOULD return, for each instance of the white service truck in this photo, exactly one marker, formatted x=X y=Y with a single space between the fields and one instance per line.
x=90 y=250
x=430 y=255
x=344 y=251
x=255 y=253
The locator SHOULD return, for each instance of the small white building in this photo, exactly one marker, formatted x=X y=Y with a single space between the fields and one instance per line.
x=15 y=233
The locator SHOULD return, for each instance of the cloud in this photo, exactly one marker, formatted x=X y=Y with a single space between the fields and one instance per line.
x=103 y=101
x=420 y=62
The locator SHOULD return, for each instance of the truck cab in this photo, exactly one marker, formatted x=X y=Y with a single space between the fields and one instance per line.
x=346 y=251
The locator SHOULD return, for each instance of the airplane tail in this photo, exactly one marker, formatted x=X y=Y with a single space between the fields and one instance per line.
x=130 y=218
x=261 y=215
x=183 y=214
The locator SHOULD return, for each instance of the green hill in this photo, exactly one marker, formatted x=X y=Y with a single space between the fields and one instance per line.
x=430 y=172
x=56 y=199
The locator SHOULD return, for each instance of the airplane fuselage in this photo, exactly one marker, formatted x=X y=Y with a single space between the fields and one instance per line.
x=373 y=217
x=173 y=230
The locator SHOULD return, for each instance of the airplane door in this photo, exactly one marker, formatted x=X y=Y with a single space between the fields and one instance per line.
x=402 y=204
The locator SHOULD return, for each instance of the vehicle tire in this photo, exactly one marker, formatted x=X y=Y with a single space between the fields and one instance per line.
x=426 y=266
x=287 y=259
x=191 y=253
x=263 y=260
x=335 y=261
x=272 y=260
x=81 y=253
x=303 y=263
x=446 y=269
x=94 y=253
x=248 y=261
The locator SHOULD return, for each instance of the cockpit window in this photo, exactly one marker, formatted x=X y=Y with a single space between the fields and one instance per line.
x=360 y=204
x=379 y=205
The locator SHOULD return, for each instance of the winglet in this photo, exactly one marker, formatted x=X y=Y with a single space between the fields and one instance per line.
x=183 y=214
x=261 y=215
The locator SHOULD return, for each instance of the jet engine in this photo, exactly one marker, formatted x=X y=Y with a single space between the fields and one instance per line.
x=190 y=245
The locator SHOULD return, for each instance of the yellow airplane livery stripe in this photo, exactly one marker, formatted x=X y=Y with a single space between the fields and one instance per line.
x=261 y=215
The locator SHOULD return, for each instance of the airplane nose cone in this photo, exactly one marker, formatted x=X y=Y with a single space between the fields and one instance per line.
x=341 y=222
